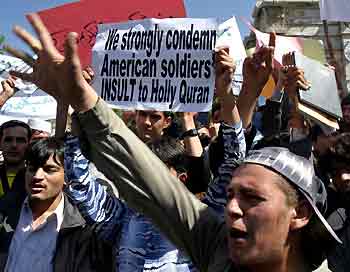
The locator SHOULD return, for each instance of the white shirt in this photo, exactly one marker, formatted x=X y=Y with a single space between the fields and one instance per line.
x=33 y=250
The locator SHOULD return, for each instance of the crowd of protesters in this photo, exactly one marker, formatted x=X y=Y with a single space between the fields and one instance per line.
x=244 y=188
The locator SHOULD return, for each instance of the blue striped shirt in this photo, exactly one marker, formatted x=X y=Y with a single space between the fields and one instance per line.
x=139 y=245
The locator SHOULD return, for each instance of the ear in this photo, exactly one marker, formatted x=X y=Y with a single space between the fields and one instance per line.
x=301 y=215
x=183 y=177
x=167 y=121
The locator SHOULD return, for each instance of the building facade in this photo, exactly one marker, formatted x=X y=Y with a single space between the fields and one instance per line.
x=302 y=18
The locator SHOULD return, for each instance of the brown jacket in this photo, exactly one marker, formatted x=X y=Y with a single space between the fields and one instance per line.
x=148 y=187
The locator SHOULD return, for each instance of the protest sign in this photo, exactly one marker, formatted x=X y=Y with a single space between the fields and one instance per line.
x=8 y=63
x=335 y=10
x=84 y=16
x=284 y=44
x=309 y=47
x=229 y=36
x=36 y=105
x=28 y=101
x=164 y=65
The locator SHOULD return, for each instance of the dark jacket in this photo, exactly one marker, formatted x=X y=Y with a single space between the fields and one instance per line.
x=17 y=185
x=77 y=246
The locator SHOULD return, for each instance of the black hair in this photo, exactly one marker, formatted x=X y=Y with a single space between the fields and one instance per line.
x=40 y=151
x=215 y=107
x=15 y=123
x=346 y=100
x=168 y=114
x=172 y=152
x=341 y=150
x=337 y=156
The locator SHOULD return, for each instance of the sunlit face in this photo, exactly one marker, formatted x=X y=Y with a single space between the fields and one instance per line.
x=14 y=143
x=257 y=216
x=45 y=182
x=151 y=124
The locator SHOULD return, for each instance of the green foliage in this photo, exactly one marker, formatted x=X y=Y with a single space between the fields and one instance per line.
x=2 y=39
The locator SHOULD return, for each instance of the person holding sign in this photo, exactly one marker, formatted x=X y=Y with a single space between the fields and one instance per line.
x=271 y=197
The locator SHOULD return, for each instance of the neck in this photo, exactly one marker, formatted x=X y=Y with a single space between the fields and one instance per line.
x=293 y=259
x=43 y=208
x=14 y=167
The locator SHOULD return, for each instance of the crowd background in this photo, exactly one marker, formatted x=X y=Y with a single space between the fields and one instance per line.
x=242 y=188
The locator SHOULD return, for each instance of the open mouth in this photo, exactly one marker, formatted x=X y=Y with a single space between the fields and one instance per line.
x=238 y=234
x=36 y=187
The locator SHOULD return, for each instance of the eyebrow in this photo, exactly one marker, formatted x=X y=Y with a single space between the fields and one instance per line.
x=249 y=190
x=244 y=189
x=16 y=137
x=51 y=165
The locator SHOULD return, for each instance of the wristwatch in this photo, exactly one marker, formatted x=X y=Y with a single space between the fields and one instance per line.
x=190 y=133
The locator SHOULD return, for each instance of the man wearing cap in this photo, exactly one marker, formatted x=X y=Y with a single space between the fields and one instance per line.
x=40 y=129
x=274 y=203
x=273 y=216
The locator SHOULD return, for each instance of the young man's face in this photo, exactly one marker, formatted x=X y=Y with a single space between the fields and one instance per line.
x=150 y=125
x=14 y=143
x=257 y=216
x=45 y=182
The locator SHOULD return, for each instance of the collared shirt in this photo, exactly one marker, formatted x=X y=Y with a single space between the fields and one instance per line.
x=33 y=250
x=141 y=247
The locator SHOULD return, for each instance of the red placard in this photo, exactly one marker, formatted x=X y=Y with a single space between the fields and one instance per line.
x=83 y=18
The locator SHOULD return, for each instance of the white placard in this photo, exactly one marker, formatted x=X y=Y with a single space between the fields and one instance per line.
x=229 y=36
x=30 y=106
x=159 y=64
x=28 y=101
x=8 y=63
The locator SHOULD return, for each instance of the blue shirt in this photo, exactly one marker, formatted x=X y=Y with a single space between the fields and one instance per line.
x=139 y=245
x=34 y=249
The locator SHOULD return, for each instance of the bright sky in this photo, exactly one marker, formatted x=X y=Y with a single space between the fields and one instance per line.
x=13 y=12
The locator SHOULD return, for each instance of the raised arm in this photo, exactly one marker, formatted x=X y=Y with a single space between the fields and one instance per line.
x=256 y=73
x=104 y=212
x=192 y=143
x=231 y=135
x=141 y=178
